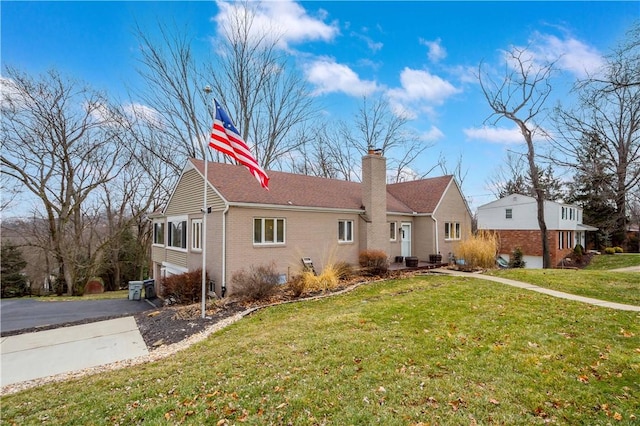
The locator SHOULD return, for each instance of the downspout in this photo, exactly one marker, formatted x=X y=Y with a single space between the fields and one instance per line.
x=223 y=288
x=436 y=234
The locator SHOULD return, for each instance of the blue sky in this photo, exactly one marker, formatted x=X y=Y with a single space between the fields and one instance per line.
x=420 y=55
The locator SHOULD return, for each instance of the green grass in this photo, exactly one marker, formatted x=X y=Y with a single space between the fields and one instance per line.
x=620 y=287
x=425 y=350
x=119 y=294
x=614 y=261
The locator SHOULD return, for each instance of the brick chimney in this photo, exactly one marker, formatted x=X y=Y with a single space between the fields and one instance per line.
x=374 y=199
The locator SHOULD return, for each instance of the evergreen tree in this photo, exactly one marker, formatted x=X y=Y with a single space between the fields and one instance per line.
x=591 y=188
x=12 y=281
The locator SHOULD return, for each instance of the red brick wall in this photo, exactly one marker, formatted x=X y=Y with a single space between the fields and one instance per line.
x=530 y=243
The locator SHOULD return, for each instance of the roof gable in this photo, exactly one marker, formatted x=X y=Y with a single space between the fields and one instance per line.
x=421 y=196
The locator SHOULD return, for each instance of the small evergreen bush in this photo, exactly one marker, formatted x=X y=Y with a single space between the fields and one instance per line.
x=618 y=249
x=516 y=261
x=258 y=283
x=609 y=250
x=578 y=250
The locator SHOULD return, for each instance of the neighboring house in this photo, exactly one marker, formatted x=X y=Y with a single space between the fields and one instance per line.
x=327 y=220
x=515 y=219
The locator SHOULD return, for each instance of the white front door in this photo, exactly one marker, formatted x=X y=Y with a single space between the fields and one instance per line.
x=405 y=240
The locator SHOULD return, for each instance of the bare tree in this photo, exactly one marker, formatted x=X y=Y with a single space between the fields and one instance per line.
x=608 y=110
x=60 y=144
x=268 y=100
x=174 y=92
x=520 y=97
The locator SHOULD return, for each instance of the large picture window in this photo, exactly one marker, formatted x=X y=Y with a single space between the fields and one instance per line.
x=177 y=233
x=158 y=233
x=268 y=230
x=345 y=231
x=452 y=230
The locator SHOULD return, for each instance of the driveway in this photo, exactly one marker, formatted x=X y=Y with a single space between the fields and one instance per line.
x=30 y=314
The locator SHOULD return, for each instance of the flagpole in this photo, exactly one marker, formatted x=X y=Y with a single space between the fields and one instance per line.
x=205 y=210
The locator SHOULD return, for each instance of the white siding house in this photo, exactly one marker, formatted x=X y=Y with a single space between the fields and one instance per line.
x=515 y=219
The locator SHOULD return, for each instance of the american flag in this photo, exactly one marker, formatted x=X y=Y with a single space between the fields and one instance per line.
x=226 y=138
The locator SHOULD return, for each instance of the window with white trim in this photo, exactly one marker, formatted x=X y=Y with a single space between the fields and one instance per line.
x=196 y=234
x=158 y=233
x=508 y=213
x=392 y=231
x=345 y=231
x=177 y=232
x=560 y=240
x=452 y=231
x=268 y=230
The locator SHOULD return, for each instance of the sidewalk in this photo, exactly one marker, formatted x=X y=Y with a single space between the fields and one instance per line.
x=62 y=350
x=549 y=292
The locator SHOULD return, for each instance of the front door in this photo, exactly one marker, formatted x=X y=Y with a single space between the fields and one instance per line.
x=405 y=240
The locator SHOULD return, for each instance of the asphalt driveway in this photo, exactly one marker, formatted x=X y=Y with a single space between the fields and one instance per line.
x=30 y=314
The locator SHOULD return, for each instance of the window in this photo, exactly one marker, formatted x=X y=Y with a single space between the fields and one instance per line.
x=560 y=240
x=177 y=237
x=569 y=239
x=268 y=230
x=508 y=214
x=452 y=231
x=196 y=234
x=158 y=233
x=564 y=213
x=345 y=231
x=392 y=231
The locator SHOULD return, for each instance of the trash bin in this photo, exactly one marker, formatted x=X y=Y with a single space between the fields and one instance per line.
x=135 y=290
x=149 y=289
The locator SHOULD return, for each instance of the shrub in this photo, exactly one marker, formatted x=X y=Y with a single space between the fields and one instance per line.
x=343 y=270
x=578 y=250
x=184 y=288
x=515 y=261
x=374 y=261
x=327 y=280
x=297 y=285
x=609 y=250
x=479 y=251
x=256 y=284
x=618 y=249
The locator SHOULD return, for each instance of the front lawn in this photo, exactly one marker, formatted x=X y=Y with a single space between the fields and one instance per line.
x=620 y=287
x=424 y=350
x=614 y=261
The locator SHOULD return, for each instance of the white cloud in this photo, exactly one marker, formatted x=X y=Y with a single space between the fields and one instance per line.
x=329 y=76
x=144 y=113
x=497 y=135
x=286 y=21
x=574 y=56
x=568 y=53
x=372 y=45
x=419 y=92
x=11 y=95
x=432 y=135
x=435 y=50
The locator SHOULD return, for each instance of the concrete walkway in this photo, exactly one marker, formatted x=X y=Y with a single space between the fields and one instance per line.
x=62 y=350
x=549 y=292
